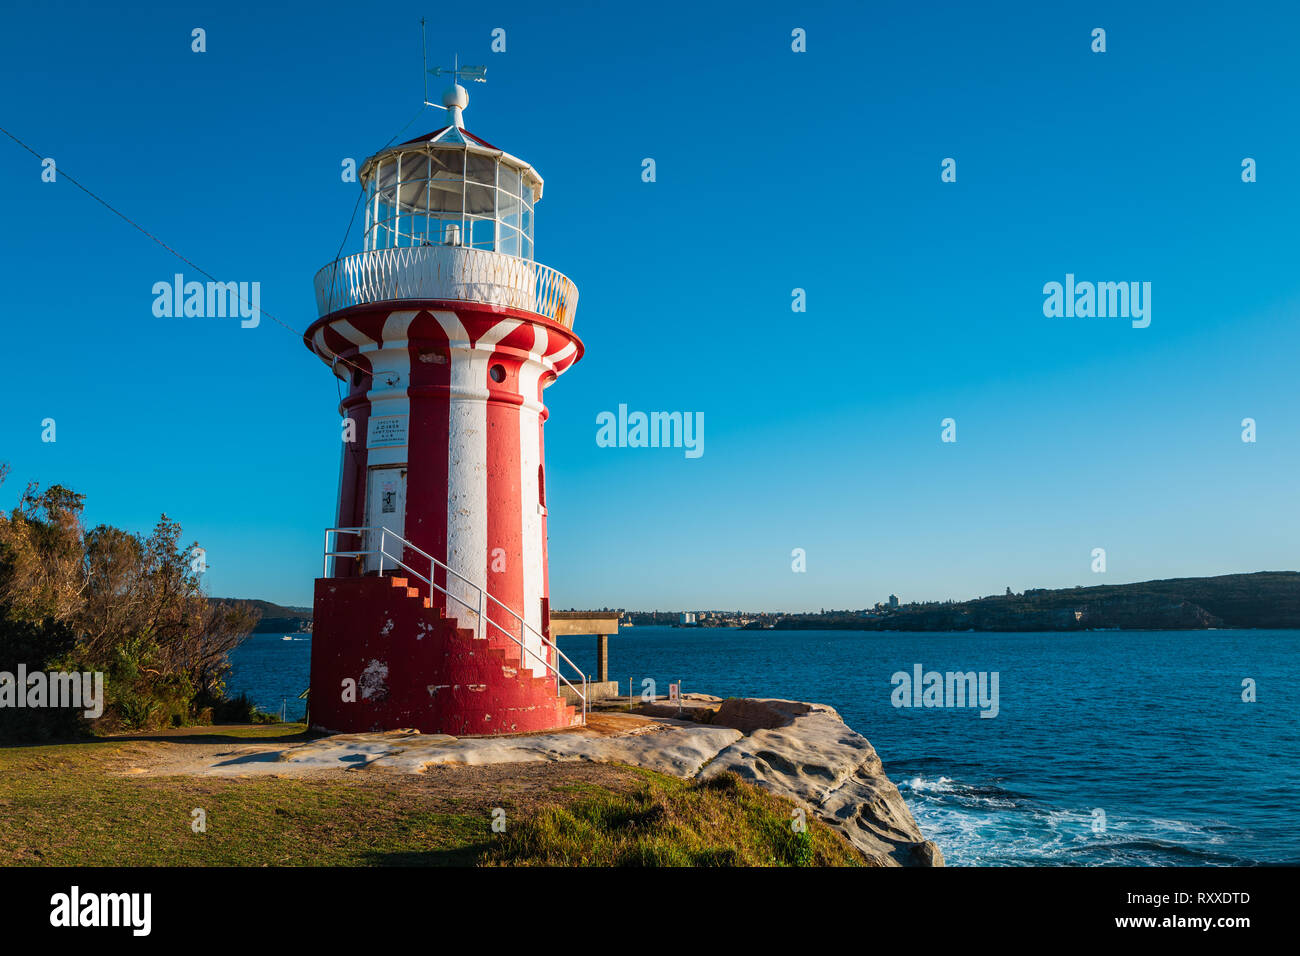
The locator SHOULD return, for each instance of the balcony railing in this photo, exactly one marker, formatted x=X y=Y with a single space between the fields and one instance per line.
x=455 y=273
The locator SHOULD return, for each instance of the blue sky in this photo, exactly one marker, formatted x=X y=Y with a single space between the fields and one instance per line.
x=775 y=170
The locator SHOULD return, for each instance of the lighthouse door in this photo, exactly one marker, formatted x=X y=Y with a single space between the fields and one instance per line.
x=385 y=508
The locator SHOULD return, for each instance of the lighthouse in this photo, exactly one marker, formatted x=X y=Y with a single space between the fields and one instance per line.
x=432 y=611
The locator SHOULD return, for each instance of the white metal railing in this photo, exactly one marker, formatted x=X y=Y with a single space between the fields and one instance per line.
x=402 y=545
x=456 y=273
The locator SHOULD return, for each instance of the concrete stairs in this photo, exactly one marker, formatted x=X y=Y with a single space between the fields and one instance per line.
x=414 y=667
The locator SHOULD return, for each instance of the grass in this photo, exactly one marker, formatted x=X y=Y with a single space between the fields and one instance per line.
x=65 y=805
x=670 y=822
x=81 y=804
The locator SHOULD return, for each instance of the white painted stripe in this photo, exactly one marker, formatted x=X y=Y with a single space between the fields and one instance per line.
x=350 y=332
x=466 y=471
x=391 y=375
x=323 y=350
x=530 y=460
x=563 y=353
x=388 y=396
x=467 y=504
x=395 y=328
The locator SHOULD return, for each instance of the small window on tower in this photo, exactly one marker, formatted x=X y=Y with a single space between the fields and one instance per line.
x=541 y=485
x=498 y=373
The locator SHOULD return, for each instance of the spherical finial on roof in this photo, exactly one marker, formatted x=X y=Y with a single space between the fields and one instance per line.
x=455 y=95
x=455 y=99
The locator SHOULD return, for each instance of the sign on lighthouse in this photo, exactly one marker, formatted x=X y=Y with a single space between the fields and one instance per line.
x=432 y=611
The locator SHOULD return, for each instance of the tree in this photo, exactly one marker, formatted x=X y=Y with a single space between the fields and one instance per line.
x=111 y=601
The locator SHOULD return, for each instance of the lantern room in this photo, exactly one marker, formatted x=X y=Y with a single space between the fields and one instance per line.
x=453 y=189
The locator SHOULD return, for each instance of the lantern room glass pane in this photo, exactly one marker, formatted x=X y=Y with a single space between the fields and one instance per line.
x=509 y=241
x=508 y=179
x=445 y=232
x=415 y=166
x=481 y=169
x=482 y=233
x=412 y=195
x=447 y=164
x=480 y=200
x=385 y=174
x=508 y=208
x=445 y=197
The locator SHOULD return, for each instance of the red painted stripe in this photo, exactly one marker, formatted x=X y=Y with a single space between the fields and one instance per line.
x=429 y=437
x=504 y=496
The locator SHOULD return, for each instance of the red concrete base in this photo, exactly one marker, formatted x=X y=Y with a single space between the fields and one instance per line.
x=411 y=667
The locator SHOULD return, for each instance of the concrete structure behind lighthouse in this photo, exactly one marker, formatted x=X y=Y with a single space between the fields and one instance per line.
x=433 y=610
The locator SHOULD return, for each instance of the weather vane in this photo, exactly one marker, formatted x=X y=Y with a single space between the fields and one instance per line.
x=474 y=74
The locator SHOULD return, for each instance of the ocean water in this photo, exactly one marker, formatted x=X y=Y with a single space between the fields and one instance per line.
x=1108 y=748
x=273 y=669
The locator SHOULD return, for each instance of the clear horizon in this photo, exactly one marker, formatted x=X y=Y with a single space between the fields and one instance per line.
x=776 y=171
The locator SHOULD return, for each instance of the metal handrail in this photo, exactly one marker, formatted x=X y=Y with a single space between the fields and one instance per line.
x=454 y=273
x=483 y=596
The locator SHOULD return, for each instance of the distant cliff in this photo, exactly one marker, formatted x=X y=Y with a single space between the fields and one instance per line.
x=1267 y=599
x=276 y=618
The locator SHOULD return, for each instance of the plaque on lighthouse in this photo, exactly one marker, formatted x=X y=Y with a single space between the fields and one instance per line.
x=386 y=431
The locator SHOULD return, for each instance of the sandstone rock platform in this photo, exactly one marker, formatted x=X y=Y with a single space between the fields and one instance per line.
x=801 y=751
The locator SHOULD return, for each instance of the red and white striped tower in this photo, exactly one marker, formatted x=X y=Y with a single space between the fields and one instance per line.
x=446 y=330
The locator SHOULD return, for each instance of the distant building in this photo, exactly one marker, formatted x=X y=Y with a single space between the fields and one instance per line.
x=686 y=617
x=893 y=600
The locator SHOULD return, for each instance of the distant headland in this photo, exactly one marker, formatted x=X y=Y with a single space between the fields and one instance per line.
x=1266 y=599
x=274 y=618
